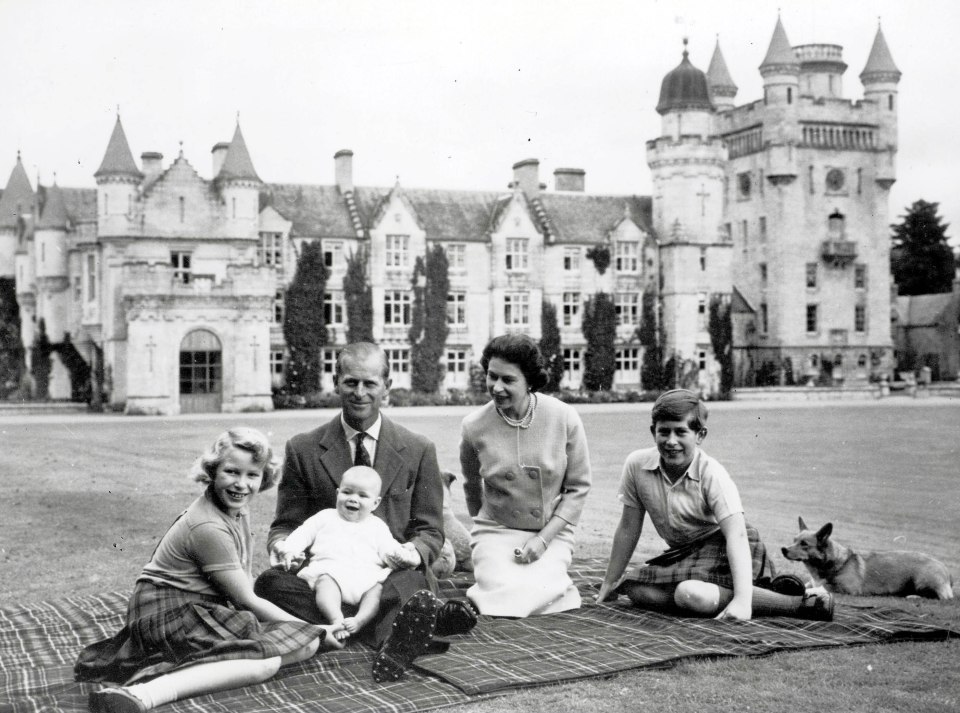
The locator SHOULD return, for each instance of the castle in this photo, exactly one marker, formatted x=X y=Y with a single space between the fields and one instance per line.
x=171 y=285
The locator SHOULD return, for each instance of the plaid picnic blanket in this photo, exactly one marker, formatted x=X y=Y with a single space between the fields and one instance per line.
x=39 y=642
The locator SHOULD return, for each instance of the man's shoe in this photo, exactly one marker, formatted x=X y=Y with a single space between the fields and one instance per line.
x=412 y=631
x=817 y=605
x=115 y=700
x=457 y=616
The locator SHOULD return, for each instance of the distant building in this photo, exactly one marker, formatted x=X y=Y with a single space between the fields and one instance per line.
x=926 y=330
x=174 y=283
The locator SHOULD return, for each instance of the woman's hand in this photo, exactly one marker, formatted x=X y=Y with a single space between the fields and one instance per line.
x=607 y=590
x=531 y=551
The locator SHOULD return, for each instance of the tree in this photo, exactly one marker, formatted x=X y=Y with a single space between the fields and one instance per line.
x=304 y=328
x=921 y=259
x=359 y=298
x=651 y=370
x=600 y=330
x=40 y=362
x=11 y=347
x=550 y=346
x=428 y=331
x=721 y=339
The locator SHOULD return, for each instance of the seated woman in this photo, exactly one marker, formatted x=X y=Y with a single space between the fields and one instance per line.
x=193 y=624
x=526 y=474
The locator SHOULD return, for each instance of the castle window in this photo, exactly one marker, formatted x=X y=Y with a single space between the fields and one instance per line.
x=333 y=254
x=270 y=250
x=398 y=250
x=703 y=259
x=763 y=274
x=181 y=266
x=836 y=224
x=233 y=207
x=276 y=362
x=810 y=179
x=279 y=307
x=745 y=232
x=456 y=256
x=862 y=361
x=859 y=181
x=627 y=308
x=627 y=361
x=457 y=309
x=571 y=259
x=91 y=277
x=860 y=277
x=334 y=306
x=860 y=318
x=702 y=310
x=764 y=318
x=456 y=361
x=328 y=360
x=43 y=252
x=763 y=229
x=571 y=309
x=77 y=288
x=811 y=318
x=399 y=360
x=702 y=359
x=811 y=274
x=814 y=361
x=572 y=364
x=183 y=208
x=890 y=102
x=516 y=309
x=106 y=204
x=517 y=256
x=744 y=185
x=789 y=95
x=396 y=308
x=626 y=256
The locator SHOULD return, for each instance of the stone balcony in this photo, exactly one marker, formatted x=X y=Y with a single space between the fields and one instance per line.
x=838 y=252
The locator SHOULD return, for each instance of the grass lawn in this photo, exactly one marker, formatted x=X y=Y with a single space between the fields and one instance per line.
x=85 y=500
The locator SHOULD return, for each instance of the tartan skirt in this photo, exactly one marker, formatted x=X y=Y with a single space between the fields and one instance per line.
x=704 y=560
x=169 y=628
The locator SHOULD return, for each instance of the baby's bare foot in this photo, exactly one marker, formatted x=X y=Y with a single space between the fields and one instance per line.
x=351 y=624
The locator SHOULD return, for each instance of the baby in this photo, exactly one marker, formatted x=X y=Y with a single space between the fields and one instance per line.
x=351 y=552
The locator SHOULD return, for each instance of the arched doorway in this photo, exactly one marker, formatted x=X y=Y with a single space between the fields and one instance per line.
x=201 y=373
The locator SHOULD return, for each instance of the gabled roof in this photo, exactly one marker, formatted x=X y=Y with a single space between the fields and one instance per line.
x=880 y=62
x=718 y=76
x=780 y=54
x=315 y=211
x=584 y=218
x=237 y=165
x=740 y=304
x=54 y=214
x=118 y=160
x=81 y=204
x=18 y=192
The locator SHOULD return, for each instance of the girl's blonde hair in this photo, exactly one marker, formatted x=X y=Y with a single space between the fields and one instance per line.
x=252 y=441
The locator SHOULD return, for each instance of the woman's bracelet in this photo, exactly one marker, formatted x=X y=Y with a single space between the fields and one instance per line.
x=545 y=545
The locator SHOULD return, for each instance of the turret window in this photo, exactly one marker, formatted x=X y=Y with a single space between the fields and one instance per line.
x=181 y=266
x=890 y=102
x=789 y=95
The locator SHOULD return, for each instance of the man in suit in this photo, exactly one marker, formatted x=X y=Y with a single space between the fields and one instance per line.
x=411 y=505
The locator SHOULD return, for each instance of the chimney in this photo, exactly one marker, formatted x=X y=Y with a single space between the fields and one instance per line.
x=219 y=153
x=526 y=176
x=343 y=169
x=569 y=179
x=152 y=162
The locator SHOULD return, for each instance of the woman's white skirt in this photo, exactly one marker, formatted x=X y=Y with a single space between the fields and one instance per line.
x=505 y=588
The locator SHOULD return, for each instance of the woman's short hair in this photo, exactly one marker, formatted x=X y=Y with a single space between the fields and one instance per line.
x=678 y=405
x=521 y=351
x=204 y=469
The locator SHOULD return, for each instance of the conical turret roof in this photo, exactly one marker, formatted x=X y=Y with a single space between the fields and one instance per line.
x=780 y=54
x=17 y=197
x=880 y=62
x=718 y=76
x=54 y=215
x=237 y=164
x=118 y=160
x=684 y=87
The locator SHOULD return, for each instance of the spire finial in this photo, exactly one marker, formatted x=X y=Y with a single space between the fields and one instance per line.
x=238 y=116
x=54 y=178
x=685 y=41
x=18 y=155
x=118 y=111
x=181 y=149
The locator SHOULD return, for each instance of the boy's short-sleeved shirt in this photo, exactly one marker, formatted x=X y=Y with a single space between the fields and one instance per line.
x=683 y=511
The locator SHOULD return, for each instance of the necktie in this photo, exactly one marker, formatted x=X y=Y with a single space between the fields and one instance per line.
x=361 y=457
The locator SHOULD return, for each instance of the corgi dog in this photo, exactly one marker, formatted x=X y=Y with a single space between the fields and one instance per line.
x=893 y=573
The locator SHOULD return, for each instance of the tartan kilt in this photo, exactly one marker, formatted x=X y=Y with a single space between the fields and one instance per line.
x=169 y=628
x=706 y=562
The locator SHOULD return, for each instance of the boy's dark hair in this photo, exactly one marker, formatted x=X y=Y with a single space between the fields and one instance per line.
x=678 y=405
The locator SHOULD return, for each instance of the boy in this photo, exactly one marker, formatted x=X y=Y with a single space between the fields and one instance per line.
x=714 y=557
x=351 y=552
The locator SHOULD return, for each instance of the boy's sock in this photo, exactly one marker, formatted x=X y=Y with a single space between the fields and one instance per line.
x=767 y=603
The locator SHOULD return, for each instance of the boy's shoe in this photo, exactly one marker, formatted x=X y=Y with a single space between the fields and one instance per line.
x=456 y=616
x=412 y=631
x=115 y=700
x=817 y=605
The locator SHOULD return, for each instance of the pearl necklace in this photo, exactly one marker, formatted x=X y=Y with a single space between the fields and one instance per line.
x=523 y=423
x=527 y=417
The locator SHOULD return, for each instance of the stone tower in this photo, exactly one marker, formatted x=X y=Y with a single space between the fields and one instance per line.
x=118 y=179
x=687 y=167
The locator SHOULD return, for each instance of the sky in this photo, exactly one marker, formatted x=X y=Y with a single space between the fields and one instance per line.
x=434 y=94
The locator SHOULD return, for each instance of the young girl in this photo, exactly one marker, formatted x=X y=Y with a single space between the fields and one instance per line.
x=194 y=624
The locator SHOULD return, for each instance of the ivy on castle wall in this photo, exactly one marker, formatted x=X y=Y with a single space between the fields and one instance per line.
x=428 y=330
x=40 y=363
x=600 y=255
x=721 y=339
x=303 y=325
x=600 y=331
x=77 y=367
x=11 y=345
x=359 y=298
x=550 y=346
x=652 y=372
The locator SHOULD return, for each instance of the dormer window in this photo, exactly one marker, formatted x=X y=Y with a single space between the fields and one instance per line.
x=398 y=250
x=517 y=257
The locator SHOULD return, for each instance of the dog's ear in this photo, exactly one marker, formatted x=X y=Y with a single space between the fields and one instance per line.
x=803 y=525
x=824 y=532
